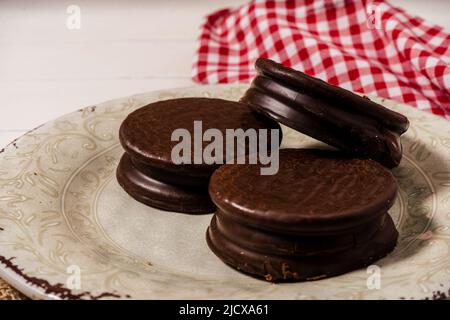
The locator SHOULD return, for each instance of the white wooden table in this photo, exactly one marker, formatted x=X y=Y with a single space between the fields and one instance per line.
x=122 y=47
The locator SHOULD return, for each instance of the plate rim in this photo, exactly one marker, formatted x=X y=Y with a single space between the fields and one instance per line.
x=34 y=292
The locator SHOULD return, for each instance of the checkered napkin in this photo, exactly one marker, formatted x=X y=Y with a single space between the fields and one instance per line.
x=366 y=46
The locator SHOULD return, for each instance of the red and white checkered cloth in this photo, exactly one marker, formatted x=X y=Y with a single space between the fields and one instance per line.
x=366 y=46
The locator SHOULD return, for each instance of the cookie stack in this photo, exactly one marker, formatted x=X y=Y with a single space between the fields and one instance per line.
x=147 y=171
x=322 y=214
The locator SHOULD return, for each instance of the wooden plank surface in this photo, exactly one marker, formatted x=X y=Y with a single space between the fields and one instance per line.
x=122 y=47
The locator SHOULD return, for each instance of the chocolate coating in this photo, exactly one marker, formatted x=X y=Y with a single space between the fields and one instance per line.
x=314 y=191
x=161 y=195
x=269 y=242
x=288 y=267
x=328 y=113
x=146 y=133
x=147 y=172
x=321 y=215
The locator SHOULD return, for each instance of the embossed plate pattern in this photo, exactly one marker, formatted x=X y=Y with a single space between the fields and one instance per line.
x=62 y=211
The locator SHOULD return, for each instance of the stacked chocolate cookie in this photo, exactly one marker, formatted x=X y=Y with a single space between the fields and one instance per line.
x=147 y=170
x=321 y=215
x=336 y=116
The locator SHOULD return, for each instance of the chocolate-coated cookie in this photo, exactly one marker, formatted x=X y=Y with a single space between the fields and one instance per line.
x=148 y=173
x=328 y=113
x=321 y=215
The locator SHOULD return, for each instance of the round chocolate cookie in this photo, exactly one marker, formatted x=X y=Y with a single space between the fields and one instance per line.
x=147 y=171
x=328 y=113
x=159 y=194
x=321 y=215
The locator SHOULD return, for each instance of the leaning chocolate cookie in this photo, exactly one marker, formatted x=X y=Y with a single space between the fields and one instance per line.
x=328 y=113
x=151 y=134
x=321 y=215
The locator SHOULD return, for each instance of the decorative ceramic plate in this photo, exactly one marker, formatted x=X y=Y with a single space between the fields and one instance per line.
x=67 y=230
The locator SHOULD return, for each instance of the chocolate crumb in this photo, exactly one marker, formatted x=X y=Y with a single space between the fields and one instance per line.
x=268 y=277
x=88 y=109
x=439 y=295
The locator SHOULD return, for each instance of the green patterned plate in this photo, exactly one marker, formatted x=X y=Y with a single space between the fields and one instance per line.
x=67 y=230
